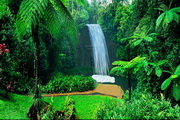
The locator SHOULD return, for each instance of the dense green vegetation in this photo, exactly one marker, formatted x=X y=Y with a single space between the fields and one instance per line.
x=38 y=41
x=143 y=106
x=65 y=84
x=147 y=29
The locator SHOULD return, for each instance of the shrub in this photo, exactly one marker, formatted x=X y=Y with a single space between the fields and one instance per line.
x=68 y=112
x=69 y=109
x=64 y=84
x=145 y=107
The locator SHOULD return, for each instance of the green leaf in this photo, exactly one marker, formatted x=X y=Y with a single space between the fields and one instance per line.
x=153 y=64
x=176 y=9
x=120 y=63
x=158 y=71
x=149 y=71
x=161 y=62
x=166 y=83
x=149 y=39
x=167 y=71
x=177 y=71
x=159 y=20
x=174 y=76
x=176 y=92
x=176 y=17
x=165 y=22
x=117 y=70
x=153 y=34
x=137 y=42
x=169 y=16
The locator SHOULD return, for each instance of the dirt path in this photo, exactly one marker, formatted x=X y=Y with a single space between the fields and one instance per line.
x=103 y=89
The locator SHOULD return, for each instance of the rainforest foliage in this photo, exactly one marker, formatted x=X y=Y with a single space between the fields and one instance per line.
x=38 y=49
x=148 y=43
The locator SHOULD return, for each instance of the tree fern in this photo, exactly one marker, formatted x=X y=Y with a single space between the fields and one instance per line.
x=30 y=12
x=56 y=16
x=124 y=66
x=53 y=12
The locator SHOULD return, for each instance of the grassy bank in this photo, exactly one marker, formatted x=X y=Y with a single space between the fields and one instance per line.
x=18 y=105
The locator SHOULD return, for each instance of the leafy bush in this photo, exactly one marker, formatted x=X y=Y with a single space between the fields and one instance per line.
x=141 y=107
x=64 y=84
x=68 y=112
x=69 y=109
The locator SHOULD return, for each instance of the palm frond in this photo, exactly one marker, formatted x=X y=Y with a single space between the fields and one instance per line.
x=57 y=17
x=29 y=14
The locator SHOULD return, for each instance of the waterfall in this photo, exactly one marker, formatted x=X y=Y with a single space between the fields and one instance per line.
x=100 y=54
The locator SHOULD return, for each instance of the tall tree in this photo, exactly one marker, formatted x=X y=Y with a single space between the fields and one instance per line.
x=56 y=17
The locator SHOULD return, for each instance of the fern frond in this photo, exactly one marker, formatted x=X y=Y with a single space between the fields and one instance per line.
x=117 y=70
x=29 y=14
x=120 y=63
x=57 y=17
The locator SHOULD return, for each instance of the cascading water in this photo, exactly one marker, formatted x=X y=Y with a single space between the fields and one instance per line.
x=100 y=54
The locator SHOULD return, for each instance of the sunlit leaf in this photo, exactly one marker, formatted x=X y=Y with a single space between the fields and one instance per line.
x=165 y=21
x=117 y=70
x=166 y=83
x=137 y=42
x=121 y=63
x=174 y=76
x=169 y=16
x=153 y=64
x=177 y=9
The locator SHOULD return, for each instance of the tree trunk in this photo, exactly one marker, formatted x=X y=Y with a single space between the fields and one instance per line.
x=129 y=75
x=36 y=54
x=129 y=85
x=37 y=96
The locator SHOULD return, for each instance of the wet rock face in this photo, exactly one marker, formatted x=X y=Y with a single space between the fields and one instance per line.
x=84 y=50
x=84 y=55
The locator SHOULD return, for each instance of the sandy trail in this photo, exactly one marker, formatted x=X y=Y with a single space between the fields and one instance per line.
x=103 y=89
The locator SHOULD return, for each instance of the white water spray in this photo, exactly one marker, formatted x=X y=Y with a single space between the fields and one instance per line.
x=100 y=54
